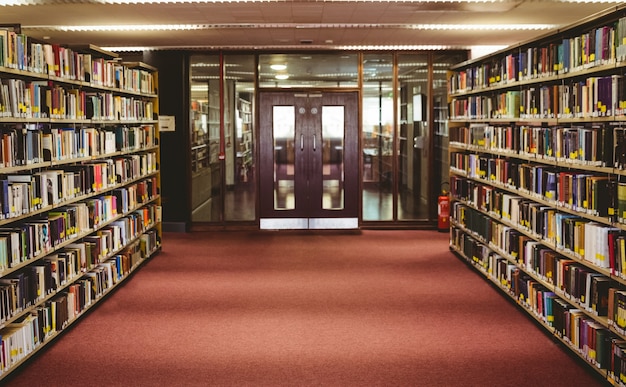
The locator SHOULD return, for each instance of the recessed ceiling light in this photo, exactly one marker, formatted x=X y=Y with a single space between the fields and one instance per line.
x=278 y=67
x=282 y=76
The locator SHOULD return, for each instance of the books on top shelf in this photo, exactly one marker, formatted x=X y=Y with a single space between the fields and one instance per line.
x=77 y=63
x=597 y=47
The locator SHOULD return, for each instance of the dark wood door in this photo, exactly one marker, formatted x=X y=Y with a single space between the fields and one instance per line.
x=309 y=159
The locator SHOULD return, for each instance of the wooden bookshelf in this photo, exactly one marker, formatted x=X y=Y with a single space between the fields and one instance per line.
x=537 y=178
x=80 y=206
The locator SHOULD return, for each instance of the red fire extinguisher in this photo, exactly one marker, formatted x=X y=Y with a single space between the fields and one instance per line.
x=443 y=211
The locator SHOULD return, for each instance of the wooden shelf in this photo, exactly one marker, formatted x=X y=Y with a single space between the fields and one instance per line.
x=102 y=218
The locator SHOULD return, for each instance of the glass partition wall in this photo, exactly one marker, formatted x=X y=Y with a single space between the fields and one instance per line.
x=206 y=173
x=401 y=141
x=377 y=137
x=240 y=150
x=414 y=158
x=441 y=163
x=223 y=184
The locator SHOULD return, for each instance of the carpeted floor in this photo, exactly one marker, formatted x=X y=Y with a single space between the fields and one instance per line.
x=376 y=308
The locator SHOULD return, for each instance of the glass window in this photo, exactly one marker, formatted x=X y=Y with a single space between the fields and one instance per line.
x=377 y=137
x=240 y=135
x=414 y=137
x=308 y=70
x=205 y=124
x=223 y=187
x=441 y=63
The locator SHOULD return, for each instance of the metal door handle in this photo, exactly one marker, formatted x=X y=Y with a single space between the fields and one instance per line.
x=314 y=146
x=302 y=142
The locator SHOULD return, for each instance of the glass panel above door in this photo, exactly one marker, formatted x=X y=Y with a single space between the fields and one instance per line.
x=305 y=71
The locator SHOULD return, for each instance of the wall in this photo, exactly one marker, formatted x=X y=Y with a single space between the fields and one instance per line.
x=175 y=171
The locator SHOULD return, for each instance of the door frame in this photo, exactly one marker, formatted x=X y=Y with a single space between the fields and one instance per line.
x=302 y=218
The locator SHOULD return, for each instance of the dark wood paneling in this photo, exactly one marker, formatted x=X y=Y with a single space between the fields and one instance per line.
x=173 y=69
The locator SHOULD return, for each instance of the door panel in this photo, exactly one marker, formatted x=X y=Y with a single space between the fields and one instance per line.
x=308 y=158
x=283 y=132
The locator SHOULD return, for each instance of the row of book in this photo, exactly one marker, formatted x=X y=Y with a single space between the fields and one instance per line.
x=22 y=194
x=581 y=191
x=18 y=51
x=44 y=319
x=597 y=245
x=46 y=100
x=592 y=340
x=28 y=144
x=32 y=284
x=599 y=144
x=567 y=317
x=568 y=277
x=599 y=46
x=592 y=97
x=38 y=236
x=488 y=197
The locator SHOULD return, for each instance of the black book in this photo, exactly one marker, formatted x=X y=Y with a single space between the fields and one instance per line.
x=605 y=145
x=600 y=294
x=560 y=308
x=620 y=148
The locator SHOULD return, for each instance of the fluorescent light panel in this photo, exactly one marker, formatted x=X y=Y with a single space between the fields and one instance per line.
x=123 y=2
x=194 y=27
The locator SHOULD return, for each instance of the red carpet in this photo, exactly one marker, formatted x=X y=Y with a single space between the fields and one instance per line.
x=380 y=308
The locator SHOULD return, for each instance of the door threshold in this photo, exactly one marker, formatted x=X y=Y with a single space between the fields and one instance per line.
x=309 y=223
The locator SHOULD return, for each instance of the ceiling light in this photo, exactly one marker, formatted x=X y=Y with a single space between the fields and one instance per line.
x=278 y=67
x=138 y=27
x=328 y=26
x=205 y=64
x=124 y=2
x=128 y=49
x=483 y=27
x=336 y=75
x=282 y=76
x=25 y=2
x=478 y=51
x=426 y=47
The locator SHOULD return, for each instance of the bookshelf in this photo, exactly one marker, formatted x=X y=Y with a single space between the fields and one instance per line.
x=537 y=153
x=244 y=139
x=79 y=185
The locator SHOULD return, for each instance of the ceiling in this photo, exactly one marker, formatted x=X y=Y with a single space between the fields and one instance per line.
x=290 y=24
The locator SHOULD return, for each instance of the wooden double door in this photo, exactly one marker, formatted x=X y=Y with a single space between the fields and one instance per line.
x=309 y=167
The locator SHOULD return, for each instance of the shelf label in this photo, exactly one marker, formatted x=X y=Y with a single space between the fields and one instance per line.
x=167 y=124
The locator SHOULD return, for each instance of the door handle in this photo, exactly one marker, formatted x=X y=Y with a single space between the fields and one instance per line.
x=302 y=142
x=314 y=144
